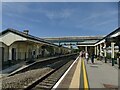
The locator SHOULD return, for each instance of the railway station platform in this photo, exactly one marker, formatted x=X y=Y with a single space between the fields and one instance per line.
x=83 y=75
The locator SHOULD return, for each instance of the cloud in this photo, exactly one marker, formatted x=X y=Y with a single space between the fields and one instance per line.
x=98 y=19
x=22 y=18
x=20 y=9
x=97 y=15
x=106 y=22
x=56 y=14
x=17 y=8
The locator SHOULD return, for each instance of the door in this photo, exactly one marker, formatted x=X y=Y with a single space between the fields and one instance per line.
x=29 y=54
x=13 y=53
x=1 y=57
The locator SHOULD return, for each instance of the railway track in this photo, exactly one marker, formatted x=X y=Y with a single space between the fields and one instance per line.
x=40 y=64
x=25 y=79
x=51 y=78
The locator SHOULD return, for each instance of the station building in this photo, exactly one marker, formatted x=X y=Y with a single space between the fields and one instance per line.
x=18 y=46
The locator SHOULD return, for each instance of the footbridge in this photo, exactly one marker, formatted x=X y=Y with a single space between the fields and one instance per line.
x=102 y=46
x=74 y=40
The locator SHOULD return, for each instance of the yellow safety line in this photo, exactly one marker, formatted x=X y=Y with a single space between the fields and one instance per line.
x=85 y=76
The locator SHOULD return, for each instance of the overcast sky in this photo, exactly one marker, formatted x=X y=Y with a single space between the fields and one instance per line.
x=51 y=19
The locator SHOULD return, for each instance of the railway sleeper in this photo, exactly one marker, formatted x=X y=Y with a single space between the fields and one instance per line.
x=45 y=84
x=51 y=82
x=39 y=87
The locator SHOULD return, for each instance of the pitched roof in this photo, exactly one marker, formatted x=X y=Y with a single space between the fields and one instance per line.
x=107 y=36
x=25 y=35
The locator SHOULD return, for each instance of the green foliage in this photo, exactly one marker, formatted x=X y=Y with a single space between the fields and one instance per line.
x=76 y=50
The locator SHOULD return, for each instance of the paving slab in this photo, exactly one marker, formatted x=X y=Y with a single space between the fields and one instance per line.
x=72 y=78
x=101 y=74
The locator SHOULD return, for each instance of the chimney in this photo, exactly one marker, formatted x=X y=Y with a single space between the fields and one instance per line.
x=26 y=31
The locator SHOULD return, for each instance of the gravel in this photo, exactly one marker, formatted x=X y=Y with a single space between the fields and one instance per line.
x=23 y=79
